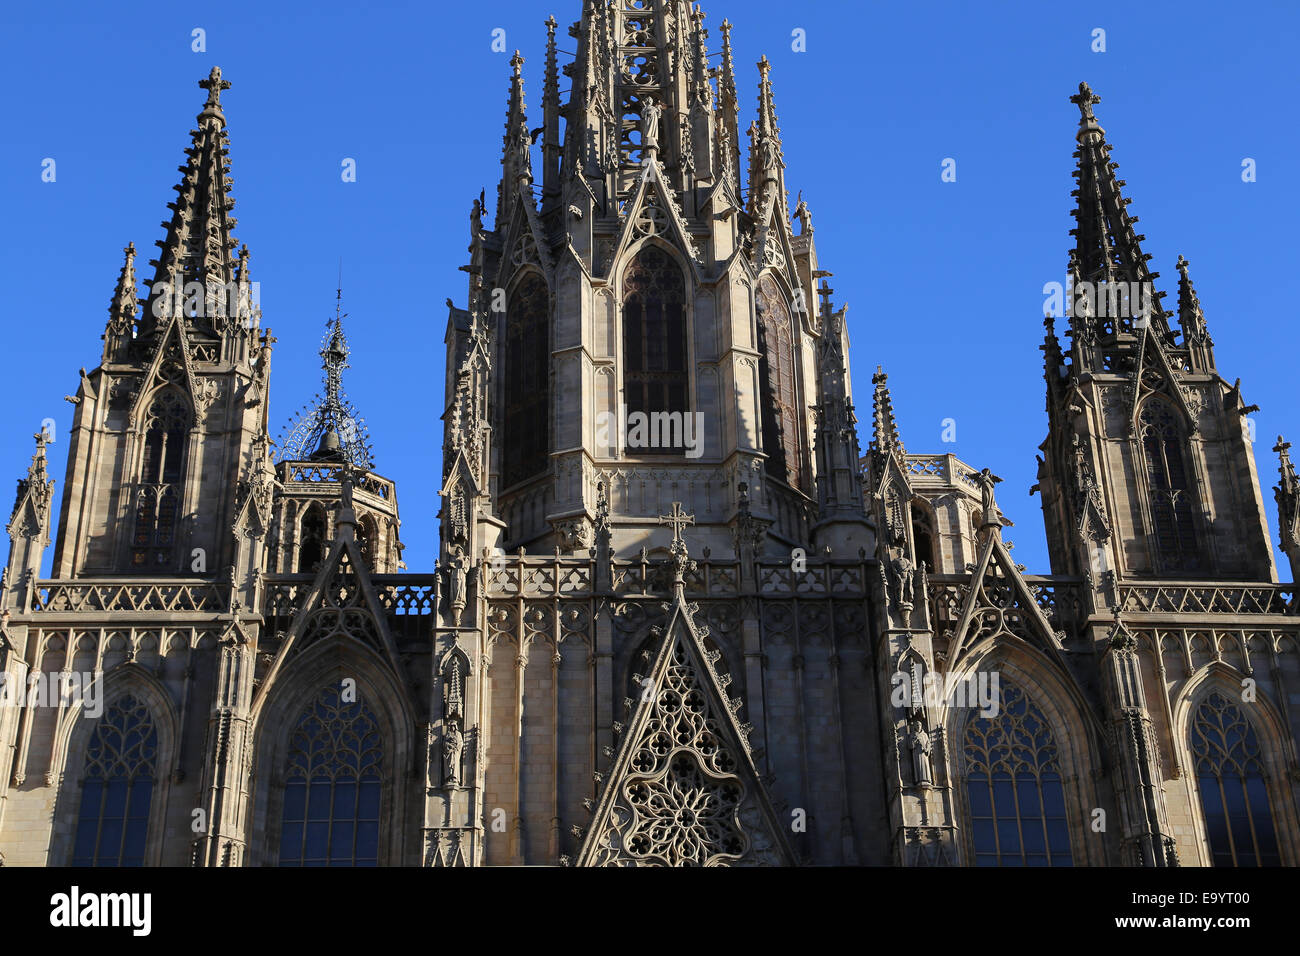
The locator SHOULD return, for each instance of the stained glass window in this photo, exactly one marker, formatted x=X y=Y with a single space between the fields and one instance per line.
x=117 y=787
x=654 y=345
x=1172 y=498
x=527 y=381
x=1013 y=782
x=782 y=431
x=158 y=491
x=333 y=786
x=1230 y=776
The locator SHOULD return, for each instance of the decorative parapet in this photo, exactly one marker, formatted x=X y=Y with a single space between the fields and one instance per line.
x=1174 y=597
x=132 y=596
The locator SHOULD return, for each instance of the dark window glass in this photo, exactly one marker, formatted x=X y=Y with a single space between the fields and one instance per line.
x=311 y=541
x=526 y=444
x=1013 y=786
x=117 y=788
x=157 y=496
x=331 y=806
x=654 y=351
x=1172 y=498
x=782 y=421
x=1230 y=777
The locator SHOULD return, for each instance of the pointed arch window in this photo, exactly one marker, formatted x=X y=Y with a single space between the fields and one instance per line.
x=1234 y=793
x=311 y=541
x=1171 y=496
x=162 y=463
x=655 y=378
x=333 y=785
x=1013 y=785
x=526 y=447
x=367 y=541
x=778 y=378
x=117 y=786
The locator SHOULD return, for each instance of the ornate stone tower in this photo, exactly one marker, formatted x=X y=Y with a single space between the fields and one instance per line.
x=170 y=419
x=1148 y=470
x=640 y=343
x=646 y=328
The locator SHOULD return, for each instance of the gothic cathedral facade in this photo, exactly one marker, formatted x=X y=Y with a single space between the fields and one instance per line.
x=679 y=616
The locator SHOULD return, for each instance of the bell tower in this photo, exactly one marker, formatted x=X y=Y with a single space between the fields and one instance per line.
x=169 y=422
x=1148 y=470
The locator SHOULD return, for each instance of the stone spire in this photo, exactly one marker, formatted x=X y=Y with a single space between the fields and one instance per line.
x=199 y=244
x=729 y=109
x=552 y=148
x=1196 y=334
x=885 y=439
x=120 y=331
x=330 y=430
x=765 y=157
x=1106 y=246
x=517 y=161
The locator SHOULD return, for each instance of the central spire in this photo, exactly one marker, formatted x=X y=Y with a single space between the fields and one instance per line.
x=330 y=430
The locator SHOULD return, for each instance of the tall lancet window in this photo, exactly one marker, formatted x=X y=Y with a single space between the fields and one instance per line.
x=311 y=540
x=333 y=785
x=782 y=434
x=654 y=354
x=1172 y=499
x=1230 y=776
x=158 y=492
x=117 y=787
x=1013 y=783
x=527 y=381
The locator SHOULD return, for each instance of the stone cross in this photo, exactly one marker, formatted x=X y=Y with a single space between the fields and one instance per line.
x=678 y=519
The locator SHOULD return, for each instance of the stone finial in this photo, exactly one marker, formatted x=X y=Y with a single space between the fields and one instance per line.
x=214 y=84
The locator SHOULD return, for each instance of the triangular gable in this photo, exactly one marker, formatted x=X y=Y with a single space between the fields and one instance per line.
x=342 y=600
x=651 y=183
x=525 y=241
x=999 y=600
x=683 y=789
x=172 y=344
x=1148 y=343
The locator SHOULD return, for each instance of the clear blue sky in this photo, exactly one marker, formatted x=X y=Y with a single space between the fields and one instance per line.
x=943 y=280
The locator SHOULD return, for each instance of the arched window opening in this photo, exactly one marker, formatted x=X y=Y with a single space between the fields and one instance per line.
x=157 y=498
x=655 y=381
x=1013 y=784
x=367 y=541
x=333 y=785
x=117 y=787
x=527 y=381
x=923 y=539
x=782 y=430
x=1230 y=776
x=311 y=541
x=1172 y=499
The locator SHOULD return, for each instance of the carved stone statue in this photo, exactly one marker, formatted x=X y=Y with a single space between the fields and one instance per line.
x=804 y=216
x=457 y=566
x=453 y=743
x=650 y=114
x=920 y=744
x=986 y=480
x=904 y=580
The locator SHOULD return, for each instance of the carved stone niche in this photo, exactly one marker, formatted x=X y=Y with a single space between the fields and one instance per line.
x=574 y=535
